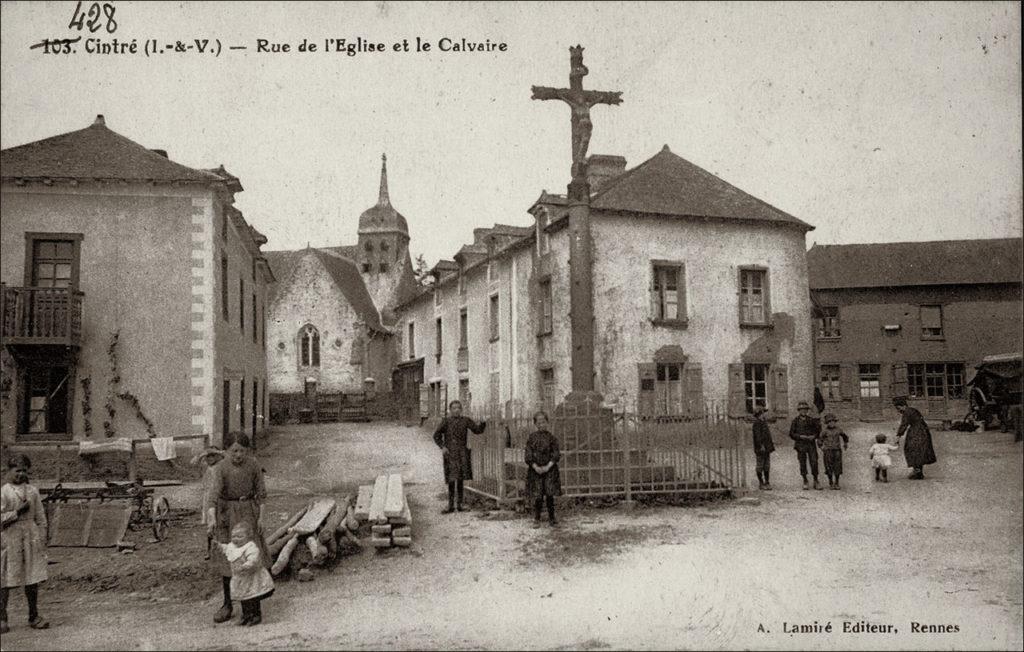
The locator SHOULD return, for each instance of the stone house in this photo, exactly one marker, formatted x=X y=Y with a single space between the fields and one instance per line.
x=133 y=294
x=911 y=319
x=330 y=311
x=700 y=300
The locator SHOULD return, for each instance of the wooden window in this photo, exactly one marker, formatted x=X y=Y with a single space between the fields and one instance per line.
x=755 y=386
x=412 y=340
x=828 y=322
x=936 y=380
x=438 y=340
x=225 y=294
x=668 y=389
x=463 y=329
x=668 y=292
x=545 y=325
x=44 y=408
x=547 y=389
x=52 y=262
x=931 y=323
x=255 y=322
x=495 y=317
x=830 y=387
x=870 y=380
x=955 y=379
x=309 y=346
x=754 y=304
x=915 y=380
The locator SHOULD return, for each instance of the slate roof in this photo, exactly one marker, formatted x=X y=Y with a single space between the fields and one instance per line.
x=895 y=264
x=97 y=153
x=344 y=272
x=667 y=184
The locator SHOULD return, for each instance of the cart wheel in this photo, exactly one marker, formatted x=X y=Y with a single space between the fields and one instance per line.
x=161 y=518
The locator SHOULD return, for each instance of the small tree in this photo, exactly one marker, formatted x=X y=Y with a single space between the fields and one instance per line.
x=421 y=271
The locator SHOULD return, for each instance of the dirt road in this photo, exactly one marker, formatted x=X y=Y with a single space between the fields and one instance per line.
x=943 y=551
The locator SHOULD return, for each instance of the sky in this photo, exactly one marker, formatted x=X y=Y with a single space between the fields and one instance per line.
x=872 y=122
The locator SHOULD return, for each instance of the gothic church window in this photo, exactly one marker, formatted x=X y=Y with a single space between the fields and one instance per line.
x=309 y=346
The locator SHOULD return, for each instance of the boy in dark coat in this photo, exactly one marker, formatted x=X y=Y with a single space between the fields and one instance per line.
x=833 y=442
x=543 y=481
x=763 y=448
x=451 y=437
x=804 y=431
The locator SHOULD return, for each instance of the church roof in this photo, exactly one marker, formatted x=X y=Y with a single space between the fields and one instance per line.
x=97 y=153
x=667 y=184
x=339 y=263
x=382 y=217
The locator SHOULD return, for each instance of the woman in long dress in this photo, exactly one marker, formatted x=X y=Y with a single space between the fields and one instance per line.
x=237 y=494
x=918 y=450
x=22 y=541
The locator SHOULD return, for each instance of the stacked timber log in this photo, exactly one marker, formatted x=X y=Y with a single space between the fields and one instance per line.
x=385 y=507
x=311 y=535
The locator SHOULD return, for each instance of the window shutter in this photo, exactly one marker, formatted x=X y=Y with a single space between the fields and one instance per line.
x=645 y=397
x=780 y=391
x=653 y=291
x=424 y=401
x=848 y=381
x=694 y=390
x=899 y=385
x=737 y=400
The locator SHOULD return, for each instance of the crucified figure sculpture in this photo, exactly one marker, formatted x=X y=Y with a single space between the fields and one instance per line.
x=579 y=102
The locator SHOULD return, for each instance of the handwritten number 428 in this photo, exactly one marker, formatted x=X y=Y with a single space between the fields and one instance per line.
x=93 y=19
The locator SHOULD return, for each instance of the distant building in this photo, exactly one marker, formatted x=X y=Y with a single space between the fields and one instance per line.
x=911 y=319
x=133 y=291
x=330 y=311
x=700 y=297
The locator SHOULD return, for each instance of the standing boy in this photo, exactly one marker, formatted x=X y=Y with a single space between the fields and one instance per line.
x=833 y=442
x=763 y=448
x=804 y=431
x=452 y=437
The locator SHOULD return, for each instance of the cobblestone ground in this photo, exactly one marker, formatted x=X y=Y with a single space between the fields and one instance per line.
x=943 y=551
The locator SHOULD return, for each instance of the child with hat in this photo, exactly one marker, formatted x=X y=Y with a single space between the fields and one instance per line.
x=833 y=441
x=763 y=448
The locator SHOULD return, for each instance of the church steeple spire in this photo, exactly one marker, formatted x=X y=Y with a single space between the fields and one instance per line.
x=383 y=199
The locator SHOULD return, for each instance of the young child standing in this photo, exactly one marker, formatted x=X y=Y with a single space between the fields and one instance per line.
x=251 y=582
x=543 y=481
x=833 y=441
x=763 y=449
x=880 y=459
x=23 y=553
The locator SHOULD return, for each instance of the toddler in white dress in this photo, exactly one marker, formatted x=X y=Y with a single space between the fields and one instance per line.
x=880 y=458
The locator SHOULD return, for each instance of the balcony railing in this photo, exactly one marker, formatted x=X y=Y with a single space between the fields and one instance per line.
x=36 y=315
x=463 y=359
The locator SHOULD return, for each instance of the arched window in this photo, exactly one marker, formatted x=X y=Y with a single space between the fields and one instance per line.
x=309 y=346
x=383 y=245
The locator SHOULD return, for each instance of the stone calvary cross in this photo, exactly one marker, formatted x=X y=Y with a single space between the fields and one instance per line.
x=581 y=267
x=580 y=102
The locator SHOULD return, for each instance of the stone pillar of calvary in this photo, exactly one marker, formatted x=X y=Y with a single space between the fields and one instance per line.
x=581 y=274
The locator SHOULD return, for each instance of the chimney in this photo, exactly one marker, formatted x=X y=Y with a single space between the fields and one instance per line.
x=602 y=168
x=161 y=152
x=99 y=121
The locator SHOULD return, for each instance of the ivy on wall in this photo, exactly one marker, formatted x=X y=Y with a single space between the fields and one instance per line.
x=127 y=397
x=87 y=405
